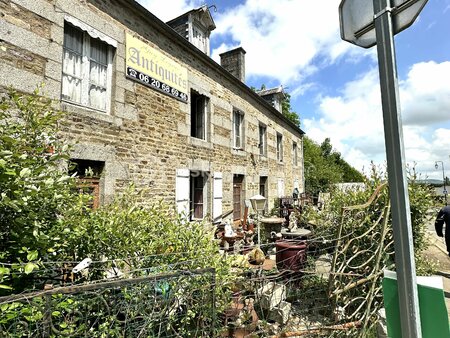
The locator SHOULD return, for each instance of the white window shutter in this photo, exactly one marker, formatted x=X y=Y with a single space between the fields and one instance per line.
x=182 y=191
x=280 y=187
x=217 y=193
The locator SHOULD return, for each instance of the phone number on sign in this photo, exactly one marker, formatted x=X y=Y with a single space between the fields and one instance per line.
x=153 y=83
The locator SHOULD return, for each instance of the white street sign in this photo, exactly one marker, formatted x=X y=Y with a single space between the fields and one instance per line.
x=357 y=19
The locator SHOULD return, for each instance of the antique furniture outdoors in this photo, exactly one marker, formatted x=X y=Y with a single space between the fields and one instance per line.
x=269 y=225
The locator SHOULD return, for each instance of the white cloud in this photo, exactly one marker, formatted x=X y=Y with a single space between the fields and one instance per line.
x=285 y=40
x=282 y=38
x=170 y=9
x=354 y=119
x=426 y=93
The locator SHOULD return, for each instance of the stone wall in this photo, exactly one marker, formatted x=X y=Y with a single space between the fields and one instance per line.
x=145 y=137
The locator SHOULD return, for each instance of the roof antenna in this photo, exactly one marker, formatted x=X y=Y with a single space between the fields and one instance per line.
x=215 y=8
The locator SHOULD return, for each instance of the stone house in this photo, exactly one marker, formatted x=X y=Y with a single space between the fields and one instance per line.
x=145 y=103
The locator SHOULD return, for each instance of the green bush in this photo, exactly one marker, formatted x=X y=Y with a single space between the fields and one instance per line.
x=35 y=192
x=359 y=233
x=147 y=237
x=420 y=198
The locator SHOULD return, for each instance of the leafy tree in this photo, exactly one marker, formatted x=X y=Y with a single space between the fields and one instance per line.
x=287 y=110
x=320 y=173
x=326 y=147
x=325 y=167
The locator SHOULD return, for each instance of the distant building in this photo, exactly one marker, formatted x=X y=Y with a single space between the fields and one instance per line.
x=146 y=104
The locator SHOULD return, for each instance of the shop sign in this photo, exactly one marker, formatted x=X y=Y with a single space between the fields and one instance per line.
x=152 y=68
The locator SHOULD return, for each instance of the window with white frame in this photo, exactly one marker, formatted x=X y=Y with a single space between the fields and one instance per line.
x=87 y=68
x=238 y=129
x=199 y=39
x=279 y=147
x=198 y=194
x=192 y=190
x=199 y=108
x=262 y=140
x=294 y=154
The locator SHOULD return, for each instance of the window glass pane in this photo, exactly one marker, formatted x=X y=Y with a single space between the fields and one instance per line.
x=72 y=63
x=294 y=148
x=99 y=51
x=73 y=39
x=262 y=140
x=198 y=119
x=97 y=97
x=279 y=147
x=98 y=74
x=238 y=128
x=85 y=68
x=71 y=88
x=197 y=199
x=199 y=39
x=200 y=115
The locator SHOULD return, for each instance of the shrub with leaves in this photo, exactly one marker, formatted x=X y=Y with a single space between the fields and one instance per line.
x=35 y=192
x=358 y=223
x=420 y=197
x=142 y=238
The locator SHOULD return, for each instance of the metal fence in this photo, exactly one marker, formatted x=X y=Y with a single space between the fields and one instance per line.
x=180 y=304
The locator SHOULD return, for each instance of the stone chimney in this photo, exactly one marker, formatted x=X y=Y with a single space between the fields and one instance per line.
x=234 y=62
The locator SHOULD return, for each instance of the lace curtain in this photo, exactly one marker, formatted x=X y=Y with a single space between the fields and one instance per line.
x=84 y=77
x=72 y=64
x=97 y=74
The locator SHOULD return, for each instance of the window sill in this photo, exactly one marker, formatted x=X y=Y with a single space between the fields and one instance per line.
x=198 y=142
x=89 y=112
x=238 y=151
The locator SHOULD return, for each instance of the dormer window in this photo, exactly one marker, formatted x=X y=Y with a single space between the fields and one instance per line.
x=274 y=96
x=196 y=27
x=199 y=39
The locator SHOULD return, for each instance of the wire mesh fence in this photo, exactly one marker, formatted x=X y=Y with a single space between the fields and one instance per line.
x=288 y=295
x=179 y=304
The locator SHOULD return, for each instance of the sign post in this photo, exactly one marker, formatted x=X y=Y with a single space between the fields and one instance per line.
x=367 y=26
x=398 y=186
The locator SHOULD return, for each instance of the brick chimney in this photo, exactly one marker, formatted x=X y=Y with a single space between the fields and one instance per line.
x=234 y=62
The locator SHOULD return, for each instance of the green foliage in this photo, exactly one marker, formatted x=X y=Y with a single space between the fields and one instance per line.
x=324 y=167
x=153 y=237
x=420 y=198
x=320 y=173
x=359 y=233
x=35 y=192
x=287 y=110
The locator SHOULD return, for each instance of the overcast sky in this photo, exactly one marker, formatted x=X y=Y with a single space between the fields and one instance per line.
x=334 y=85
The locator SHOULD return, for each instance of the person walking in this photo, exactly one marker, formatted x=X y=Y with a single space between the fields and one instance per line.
x=443 y=217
